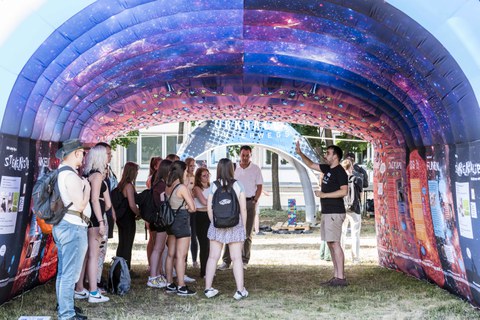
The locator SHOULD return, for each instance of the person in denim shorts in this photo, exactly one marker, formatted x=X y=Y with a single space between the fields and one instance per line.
x=178 y=240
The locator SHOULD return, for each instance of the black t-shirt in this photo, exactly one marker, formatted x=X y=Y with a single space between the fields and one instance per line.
x=333 y=179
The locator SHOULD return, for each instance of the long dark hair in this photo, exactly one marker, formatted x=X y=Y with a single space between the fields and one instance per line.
x=225 y=173
x=129 y=175
x=162 y=171
x=177 y=170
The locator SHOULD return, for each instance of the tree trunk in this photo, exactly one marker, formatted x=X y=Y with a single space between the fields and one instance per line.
x=181 y=131
x=275 y=183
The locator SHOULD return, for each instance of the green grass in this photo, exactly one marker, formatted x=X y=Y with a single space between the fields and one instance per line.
x=276 y=292
x=280 y=288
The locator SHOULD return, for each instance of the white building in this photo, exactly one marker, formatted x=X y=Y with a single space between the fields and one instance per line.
x=164 y=139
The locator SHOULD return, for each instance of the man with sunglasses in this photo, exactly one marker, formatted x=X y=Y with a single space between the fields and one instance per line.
x=70 y=234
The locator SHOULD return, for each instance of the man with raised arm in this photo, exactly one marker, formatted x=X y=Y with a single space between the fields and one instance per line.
x=333 y=189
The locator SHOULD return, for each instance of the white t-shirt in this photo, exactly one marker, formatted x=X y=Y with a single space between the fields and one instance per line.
x=198 y=204
x=67 y=174
x=237 y=187
x=250 y=177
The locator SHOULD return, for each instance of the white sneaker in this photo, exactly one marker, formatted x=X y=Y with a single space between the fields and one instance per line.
x=245 y=266
x=210 y=293
x=240 y=295
x=187 y=279
x=98 y=298
x=156 y=282
x=223 y=266
x=82 y=294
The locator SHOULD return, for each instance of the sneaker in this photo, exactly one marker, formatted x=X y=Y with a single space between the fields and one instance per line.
x=156 y=282
x=82 y=294
x=260 y=233
x=337 y=282
x=245 y=266
x=187 y=279
x=78 y=310
x=223 y=266
x=171 y=288
x=185 y=292
x=210 y=293
x=326 y=283
x=98 y=298
x=240 y=295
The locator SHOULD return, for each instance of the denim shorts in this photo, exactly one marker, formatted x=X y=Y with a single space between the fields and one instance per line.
x=181 y=227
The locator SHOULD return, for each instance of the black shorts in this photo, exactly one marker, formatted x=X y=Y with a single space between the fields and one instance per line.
x=152 y=227
x=181 y=227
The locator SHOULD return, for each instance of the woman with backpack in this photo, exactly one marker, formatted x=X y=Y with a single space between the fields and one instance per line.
x=232 y=236
x=352 y=207
x=178 y=240
x=126 y=223
x=95 y=172
x=154 y=164
x=200 y=195
x=156 y=278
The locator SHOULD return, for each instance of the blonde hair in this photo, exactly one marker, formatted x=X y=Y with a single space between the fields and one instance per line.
x=97 y=160
x=347 y=164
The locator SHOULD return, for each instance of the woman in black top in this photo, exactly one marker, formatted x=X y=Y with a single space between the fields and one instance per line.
x=97 y=232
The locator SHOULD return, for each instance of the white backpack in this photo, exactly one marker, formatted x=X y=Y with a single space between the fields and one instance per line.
x=350 y=197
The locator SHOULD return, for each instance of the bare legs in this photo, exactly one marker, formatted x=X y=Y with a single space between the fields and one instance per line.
x=235 y=249
x=338 y=259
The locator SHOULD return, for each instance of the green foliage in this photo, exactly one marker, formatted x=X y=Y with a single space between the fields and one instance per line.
x=130 y=137
x=233 y=151
x=312 y=131
x=352 y=146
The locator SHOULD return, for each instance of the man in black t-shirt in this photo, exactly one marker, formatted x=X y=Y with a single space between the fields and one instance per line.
x=333 y=189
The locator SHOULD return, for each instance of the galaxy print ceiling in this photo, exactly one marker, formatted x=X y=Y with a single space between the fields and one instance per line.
x=362 y=67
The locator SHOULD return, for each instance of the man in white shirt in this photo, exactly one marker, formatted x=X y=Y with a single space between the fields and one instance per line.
x=250 y=176
x=70 y=234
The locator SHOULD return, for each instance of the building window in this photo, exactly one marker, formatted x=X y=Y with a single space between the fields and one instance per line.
x=268 y=159
x=132 y=152
x=171 y=145
x=151 y=147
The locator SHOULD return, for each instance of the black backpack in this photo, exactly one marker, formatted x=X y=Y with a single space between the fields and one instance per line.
x=47 y=203
x=119 y=202
x=161 y=216
x=225 y=206
x=146 y=204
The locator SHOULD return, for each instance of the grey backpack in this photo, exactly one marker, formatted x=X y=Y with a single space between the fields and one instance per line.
x=118 y=276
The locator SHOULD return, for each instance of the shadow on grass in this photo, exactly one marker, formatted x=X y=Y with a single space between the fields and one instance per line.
x=276 y=292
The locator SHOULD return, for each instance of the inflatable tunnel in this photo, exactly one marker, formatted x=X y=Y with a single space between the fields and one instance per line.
x=401 y=75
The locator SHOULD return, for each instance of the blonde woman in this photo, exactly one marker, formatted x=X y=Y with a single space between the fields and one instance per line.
x=95 y=171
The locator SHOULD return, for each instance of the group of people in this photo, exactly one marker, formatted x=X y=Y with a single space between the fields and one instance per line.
x=82 y=235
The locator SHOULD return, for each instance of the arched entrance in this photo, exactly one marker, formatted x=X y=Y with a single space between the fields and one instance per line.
x=364 y=68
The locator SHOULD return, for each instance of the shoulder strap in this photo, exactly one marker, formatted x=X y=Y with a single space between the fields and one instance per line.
x=66 y=168
x=168 y=198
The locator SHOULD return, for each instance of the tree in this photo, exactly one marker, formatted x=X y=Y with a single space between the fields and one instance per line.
x=275 y=183
x=125 y=140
